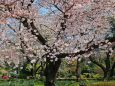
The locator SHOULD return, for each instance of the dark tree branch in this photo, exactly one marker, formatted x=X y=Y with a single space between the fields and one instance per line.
x=40 y=38
x=97 y=63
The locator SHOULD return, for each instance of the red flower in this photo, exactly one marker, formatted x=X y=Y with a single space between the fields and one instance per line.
x=5 y=77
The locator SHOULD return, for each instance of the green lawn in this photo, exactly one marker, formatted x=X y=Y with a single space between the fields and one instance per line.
x=101 y=83
x=22 y=82
x=35 y=83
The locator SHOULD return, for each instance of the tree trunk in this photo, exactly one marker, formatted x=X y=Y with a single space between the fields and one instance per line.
x=105 y=77
x=78 y=71
x=34 y=71
x=108 y=67
x=112 y=70
x=108 y=74
x=51 y=71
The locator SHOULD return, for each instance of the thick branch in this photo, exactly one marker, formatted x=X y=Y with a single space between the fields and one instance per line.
x=34 y=31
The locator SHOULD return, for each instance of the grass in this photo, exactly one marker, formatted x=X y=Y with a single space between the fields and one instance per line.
x=21 y=82
x=101 y=83
x=87 y=82
x=35 y=83
x=67 y=83
x=24 y=82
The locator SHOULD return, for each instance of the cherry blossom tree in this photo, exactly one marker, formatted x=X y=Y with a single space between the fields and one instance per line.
x=109 y=61
x=76 y=27
x=81 y=23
